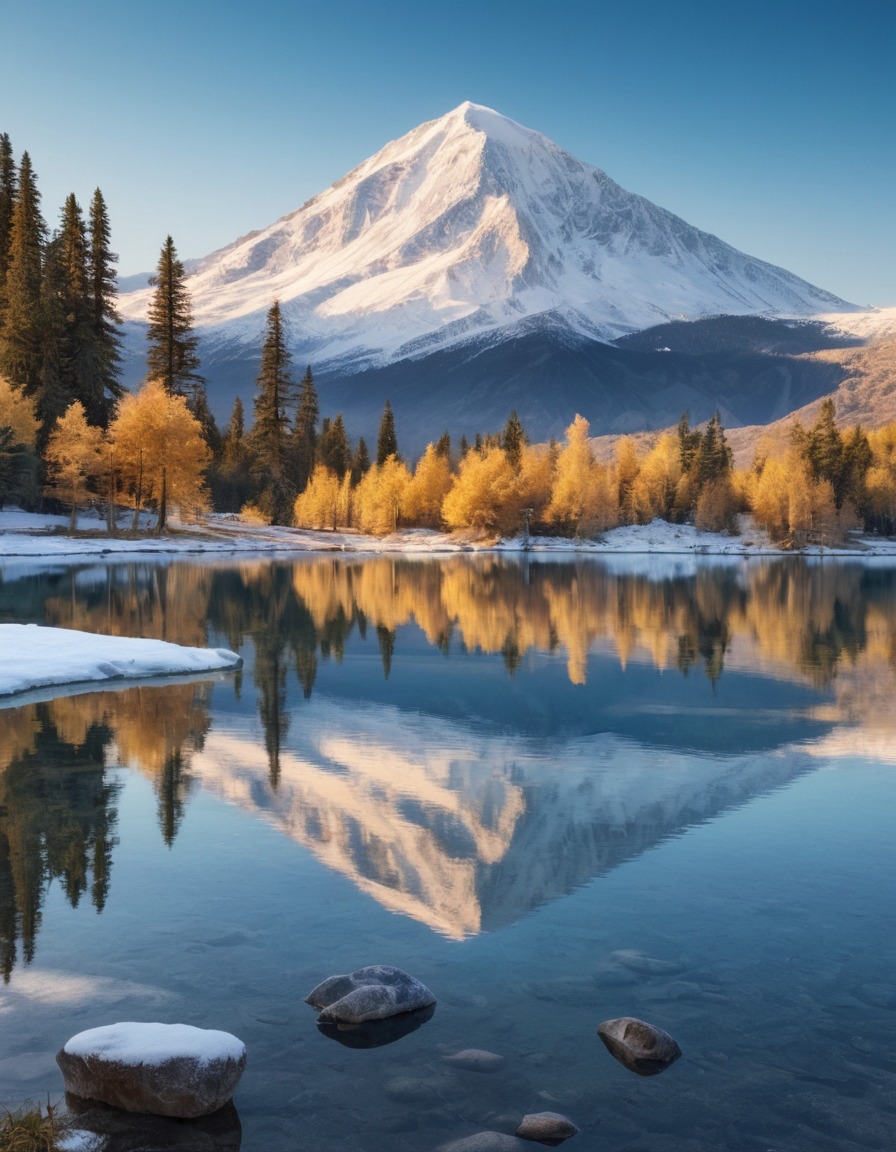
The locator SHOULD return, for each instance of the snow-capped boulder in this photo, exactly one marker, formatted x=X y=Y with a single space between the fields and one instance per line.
x=370 y=993
x=165 y=1069
x=640 y=1046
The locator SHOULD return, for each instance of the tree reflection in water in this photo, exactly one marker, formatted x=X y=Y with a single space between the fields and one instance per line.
x=828 y=626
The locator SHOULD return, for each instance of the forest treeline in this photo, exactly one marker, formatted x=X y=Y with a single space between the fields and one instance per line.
x=70 y=433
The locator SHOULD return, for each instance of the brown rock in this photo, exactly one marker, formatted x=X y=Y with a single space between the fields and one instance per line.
x=640 y=1046
x=549 y=1128
x=163 y=1069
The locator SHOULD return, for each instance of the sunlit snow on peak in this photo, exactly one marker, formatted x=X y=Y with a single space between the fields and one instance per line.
x=466 y=225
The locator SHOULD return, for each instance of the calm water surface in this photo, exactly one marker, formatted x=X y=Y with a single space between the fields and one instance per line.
x=555 y=792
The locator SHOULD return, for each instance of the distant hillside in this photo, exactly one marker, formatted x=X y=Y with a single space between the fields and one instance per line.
x=865 y=394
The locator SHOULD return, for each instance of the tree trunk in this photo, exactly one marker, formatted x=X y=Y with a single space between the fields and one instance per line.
x=163 y=503
x=138 y=495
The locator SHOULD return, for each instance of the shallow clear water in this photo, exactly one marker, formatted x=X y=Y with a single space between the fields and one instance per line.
x=555 y=792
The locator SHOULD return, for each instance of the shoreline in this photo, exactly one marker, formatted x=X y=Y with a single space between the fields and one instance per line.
x=30 y=536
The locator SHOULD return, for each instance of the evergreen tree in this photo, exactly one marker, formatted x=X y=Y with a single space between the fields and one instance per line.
x=688 y=442
x=360 y=462
x=8 y=187
x=712 y=460
x=443 y=446
x=103 y=288
x=79 y=361
x=513 y=439
x=857 y=460
x=824 y=447
x=386 y=443
x=231 y=481
x=463 y=447
x=334 y=451
x=52 y=396
x=303 y=447
x=270 y=434
x=173 y=356
x=21 y=335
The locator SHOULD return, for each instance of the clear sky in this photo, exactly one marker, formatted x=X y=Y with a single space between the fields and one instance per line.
x=772 y=125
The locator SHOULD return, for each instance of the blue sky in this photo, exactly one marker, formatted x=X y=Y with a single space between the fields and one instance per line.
x=771 y=125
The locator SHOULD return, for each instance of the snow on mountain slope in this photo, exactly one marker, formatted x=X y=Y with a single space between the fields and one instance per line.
x=467 y=226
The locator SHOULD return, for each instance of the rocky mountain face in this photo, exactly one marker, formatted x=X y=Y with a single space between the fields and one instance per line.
x=470 y=252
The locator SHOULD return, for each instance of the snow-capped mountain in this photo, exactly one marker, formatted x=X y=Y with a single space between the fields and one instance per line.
x=472 y=228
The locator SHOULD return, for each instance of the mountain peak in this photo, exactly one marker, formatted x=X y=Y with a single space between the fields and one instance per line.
x=463 y=229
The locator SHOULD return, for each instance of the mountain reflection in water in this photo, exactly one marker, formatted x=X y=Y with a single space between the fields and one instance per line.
x=449 y=791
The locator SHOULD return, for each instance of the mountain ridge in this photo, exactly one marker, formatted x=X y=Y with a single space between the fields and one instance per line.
x=466 y=225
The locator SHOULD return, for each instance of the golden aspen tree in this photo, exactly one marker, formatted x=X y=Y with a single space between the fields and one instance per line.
x=652 y=493
x=18 y=433
x=379 y=497
x=583 y=497
x=75 y=458
x=318 y=505
x=535 y=480
x=18 y=414
x=485 y=494
x=161 y=452
x=628 y=465
x=424 y=495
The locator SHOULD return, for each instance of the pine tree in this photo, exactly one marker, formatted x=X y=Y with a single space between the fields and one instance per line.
x=513 y=438
x=443 y=446
x=79 y=359
x=274 y=397
x=8 y=188
x=303 y=446
x=21 y=336
x=230 y=479
x=712 y=460
x=360 y=462
x=688 y=442
x=334 y=451
x=173 y=356
x=386 y=442
x=52 y=396
x=103 y=287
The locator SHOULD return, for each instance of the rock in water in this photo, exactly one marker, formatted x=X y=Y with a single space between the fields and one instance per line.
x=484 y=1142
x=107 y=1129
x=640 y=1046
x=164 y=1069
x=370 y=993
x=476 y=1060
x=549 y=1128
x=375 y=1033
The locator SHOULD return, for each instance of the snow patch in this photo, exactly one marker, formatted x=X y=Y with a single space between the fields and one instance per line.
x=155 y=1044
x=32 y=656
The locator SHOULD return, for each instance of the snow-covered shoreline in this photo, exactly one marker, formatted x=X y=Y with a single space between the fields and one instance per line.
x=25 y=534
x=34 y=657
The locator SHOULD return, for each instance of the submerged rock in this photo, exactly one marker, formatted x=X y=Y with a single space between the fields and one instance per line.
x=476 y=1060
x=370 y=993
x=375 y=1033
x=484 y=1142
x=643 y=964
x=164 y=1069
x=549 y=1128
x=112 y=1130
x=640 y=1046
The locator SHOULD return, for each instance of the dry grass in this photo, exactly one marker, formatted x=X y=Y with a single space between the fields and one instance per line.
x=31 y=1128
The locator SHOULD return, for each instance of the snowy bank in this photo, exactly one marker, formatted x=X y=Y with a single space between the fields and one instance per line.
x=29 y=535
x=34 y=657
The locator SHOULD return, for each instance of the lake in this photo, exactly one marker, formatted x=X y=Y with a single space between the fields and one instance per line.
x=555 y=791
